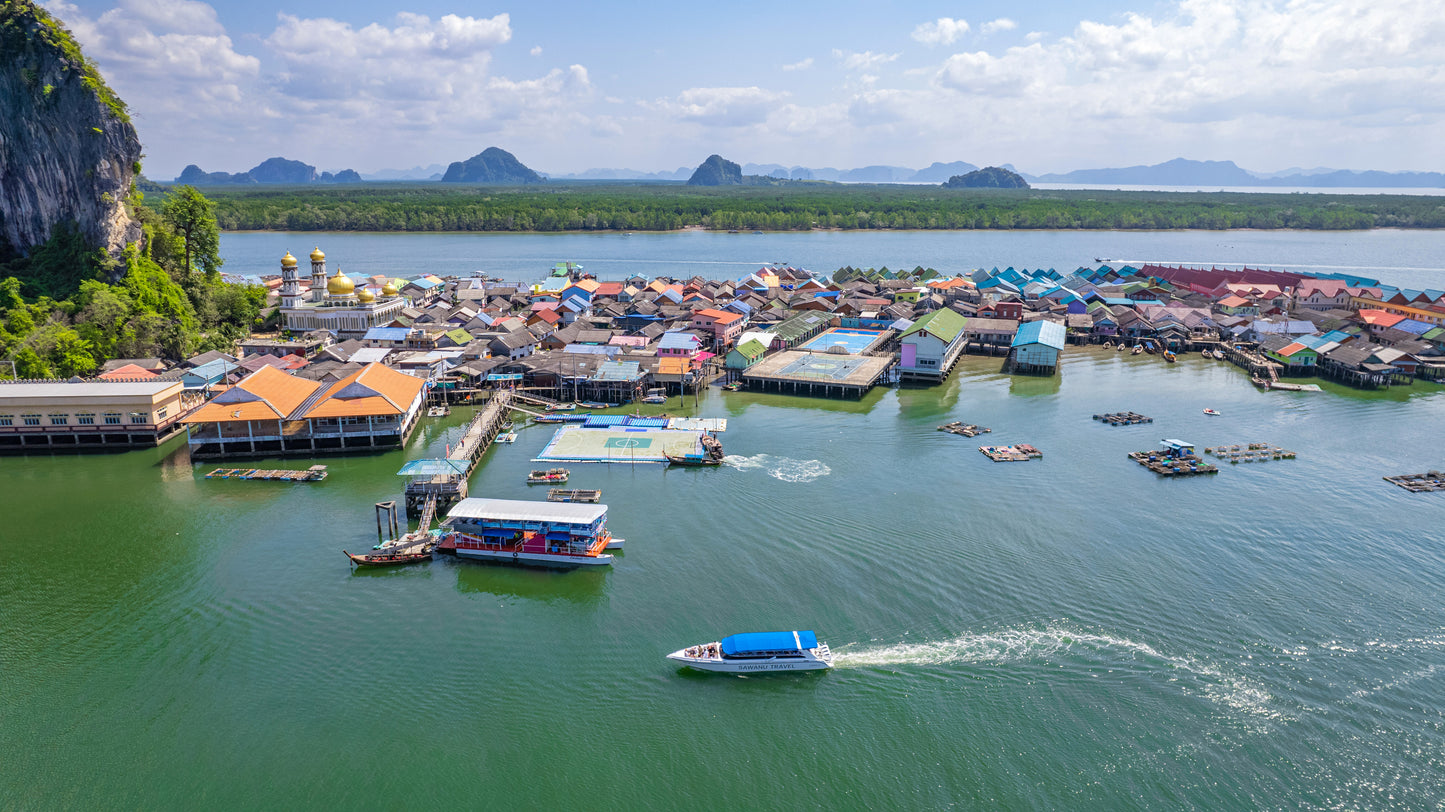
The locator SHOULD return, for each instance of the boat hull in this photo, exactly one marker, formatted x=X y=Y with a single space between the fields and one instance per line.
x=749 y=666
x=526 y=559
x=387 y=559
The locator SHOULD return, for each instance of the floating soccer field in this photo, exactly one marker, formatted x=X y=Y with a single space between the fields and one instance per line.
x=854 y=340
x=578 y=444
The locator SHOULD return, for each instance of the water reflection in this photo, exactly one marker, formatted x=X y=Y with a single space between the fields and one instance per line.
x=584 y=587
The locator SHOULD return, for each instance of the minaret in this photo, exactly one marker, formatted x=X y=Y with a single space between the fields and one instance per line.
x=290 y=285
x=318 y=275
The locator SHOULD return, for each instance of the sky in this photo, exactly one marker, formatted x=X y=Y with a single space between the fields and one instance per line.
x=566 y=86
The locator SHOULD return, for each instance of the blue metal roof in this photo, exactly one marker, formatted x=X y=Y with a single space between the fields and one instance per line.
x=1048 y=333
x=678 y=341
x=755 y=642
x=387 y=334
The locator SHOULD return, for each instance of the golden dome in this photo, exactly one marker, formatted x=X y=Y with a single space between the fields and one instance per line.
x=340 y=285
x=365 y=296
x=288 y=261
x=316 y=255
x=389 y=289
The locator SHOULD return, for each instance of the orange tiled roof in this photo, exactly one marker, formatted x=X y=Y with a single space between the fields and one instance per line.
x=719 y=316
x=129 y=371
x=392 y=393
x=273 y=395
x=673 y=366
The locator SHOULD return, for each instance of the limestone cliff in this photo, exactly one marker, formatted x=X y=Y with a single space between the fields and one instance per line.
x=68 y=151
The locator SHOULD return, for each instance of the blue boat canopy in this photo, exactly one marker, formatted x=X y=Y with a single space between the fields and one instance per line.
x=755 y=642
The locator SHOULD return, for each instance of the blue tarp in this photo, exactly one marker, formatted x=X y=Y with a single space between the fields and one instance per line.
x=754 y=642
x=433 y=467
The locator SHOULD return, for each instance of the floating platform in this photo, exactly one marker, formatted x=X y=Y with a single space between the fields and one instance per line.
x=1167 y=465
x=1250 y=452
x=621 y=444
x=964 y=429
x=798 y=372
x=315 y=473
x=1124 y=418
x=1011 y=453
x=573 y=495
x=1419 y=483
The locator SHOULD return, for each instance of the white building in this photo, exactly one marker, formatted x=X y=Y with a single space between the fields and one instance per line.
x=335 y=303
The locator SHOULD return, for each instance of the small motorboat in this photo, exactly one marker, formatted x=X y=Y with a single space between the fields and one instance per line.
x=593 y=404
x=1120 y=347
x=733 y=387
x=1169 y=356
x=656 y=395
x=1108 y=345
x=1219 y=355
x=758 y=652
x=562 y=407
x=549 y=476
x=1214 y=412
x=1138 y=348
x=507 y=437
x=693 y=460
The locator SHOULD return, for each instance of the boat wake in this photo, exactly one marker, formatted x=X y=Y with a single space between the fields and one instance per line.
x=1063 y=647
x=783 y=468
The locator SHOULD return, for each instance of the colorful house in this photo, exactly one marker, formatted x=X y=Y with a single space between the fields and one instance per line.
x=932 y=345
x=1036 y=347
x=745 y=354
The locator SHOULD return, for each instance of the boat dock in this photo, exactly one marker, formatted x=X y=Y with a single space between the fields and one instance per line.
x=315 y=473
x=1250 y=452
x=1419 y=483
x=441 y=483
x=1175 y=458
x=800 y=372
x=1124 y=418
x=573 y=495
x=1022 y=452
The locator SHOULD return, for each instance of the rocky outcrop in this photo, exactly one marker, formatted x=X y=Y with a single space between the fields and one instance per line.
x=271 y=170
x=68 y=151
x=716 y=171
x=491 y=165
x=990 y=177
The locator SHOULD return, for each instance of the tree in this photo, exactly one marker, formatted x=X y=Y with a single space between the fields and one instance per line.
x=193 y=218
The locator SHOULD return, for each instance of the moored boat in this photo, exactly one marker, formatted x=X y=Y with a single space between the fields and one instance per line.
x=758 y=651
x=1138 y=348
x=1219 y=355
x=693 y=459
x=539 y=534
x=1169 y=356
x=549 y=476
x=438 y=411
x=593 y=404
x=385 y=558
x=562 y=407
x=656 y=395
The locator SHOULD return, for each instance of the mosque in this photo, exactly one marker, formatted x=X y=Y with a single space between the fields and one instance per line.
x=335 y=303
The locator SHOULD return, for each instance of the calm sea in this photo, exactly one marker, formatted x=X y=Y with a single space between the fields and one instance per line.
x=1067 y=633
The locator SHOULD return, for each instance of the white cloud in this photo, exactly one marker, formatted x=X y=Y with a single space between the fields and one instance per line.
x=536 y=50
x=865 y=60
x=803 y=65
x=1001 y=24
x=943 y=31
x=727 y=106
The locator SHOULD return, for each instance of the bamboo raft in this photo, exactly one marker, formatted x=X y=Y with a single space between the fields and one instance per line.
x=1011 y=453
x=1419 y=483
x=1250 y=452
x=573 y=495
x=1186 y=465
x=964 y=429
x=315 y=473
x=1124 y=418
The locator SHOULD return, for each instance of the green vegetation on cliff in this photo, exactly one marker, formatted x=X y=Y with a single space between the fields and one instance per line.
x=648 y=207
x=62 y=315
x=28 y=29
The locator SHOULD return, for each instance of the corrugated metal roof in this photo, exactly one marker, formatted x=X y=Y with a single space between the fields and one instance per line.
x=1048 y=333
x=86 y=389
x=516 y=510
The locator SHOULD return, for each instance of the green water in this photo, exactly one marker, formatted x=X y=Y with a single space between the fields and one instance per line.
x=1067 y=633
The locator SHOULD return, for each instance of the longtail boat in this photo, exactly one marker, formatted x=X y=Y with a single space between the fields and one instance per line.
x=693 y=459
x=387 y=559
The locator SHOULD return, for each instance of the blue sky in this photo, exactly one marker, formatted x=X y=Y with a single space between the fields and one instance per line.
x=568 y=85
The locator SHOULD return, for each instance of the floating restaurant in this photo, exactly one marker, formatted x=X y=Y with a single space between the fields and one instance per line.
x=544 y=534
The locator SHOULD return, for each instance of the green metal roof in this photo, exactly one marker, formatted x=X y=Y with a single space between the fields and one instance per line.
x=750 y=349
x=945 y=324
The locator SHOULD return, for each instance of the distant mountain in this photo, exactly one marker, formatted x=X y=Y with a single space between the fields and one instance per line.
x=1343 y=178
x=1178 y=172
x=491 y=165
x=716 y=171
x=877 y=174
x=681 y=173
x=940 y=172
x=271 y=170
x=768 y=170
x=415 y=173
x=990 y=177
x=1294 y=170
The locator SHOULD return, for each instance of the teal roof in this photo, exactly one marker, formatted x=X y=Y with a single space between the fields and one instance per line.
x=1048 y=333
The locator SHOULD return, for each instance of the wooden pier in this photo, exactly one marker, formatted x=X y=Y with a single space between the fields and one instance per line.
x=315 y=473
x=445 y=483
x=1124 y=418
x=1419 y=483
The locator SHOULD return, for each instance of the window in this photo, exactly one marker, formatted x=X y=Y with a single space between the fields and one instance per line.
x=139 y=417
x=112 y=418
x=30 y=419
x=59 y=419
x=6 y=420
x=85 y=419
x=161 y=413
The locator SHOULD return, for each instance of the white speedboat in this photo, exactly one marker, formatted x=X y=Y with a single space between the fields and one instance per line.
x=758 y=651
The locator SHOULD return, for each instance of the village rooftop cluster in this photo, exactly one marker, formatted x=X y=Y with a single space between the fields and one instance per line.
x=388 y=344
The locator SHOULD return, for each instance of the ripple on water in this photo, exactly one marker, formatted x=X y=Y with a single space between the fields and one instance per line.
x=783 y=468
